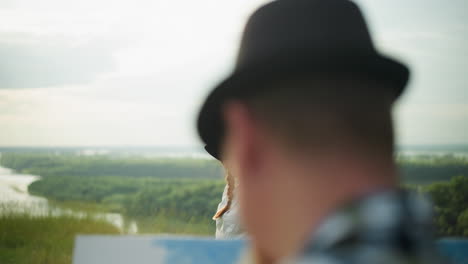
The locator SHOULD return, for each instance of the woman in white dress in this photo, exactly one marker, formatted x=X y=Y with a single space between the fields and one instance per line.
x=227 y=216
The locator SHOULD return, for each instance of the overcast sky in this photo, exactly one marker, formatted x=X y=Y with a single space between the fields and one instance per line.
x=114 y=72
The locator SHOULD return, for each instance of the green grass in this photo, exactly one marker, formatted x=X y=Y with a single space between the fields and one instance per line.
x=27 y=238
x=87 y=207
x=162 y=224
x=46 y=239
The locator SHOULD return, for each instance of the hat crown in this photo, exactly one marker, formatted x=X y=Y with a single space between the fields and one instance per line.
x=291 y=39
x=304 y=27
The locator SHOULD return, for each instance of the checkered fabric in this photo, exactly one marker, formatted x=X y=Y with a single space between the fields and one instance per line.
x=387 y=227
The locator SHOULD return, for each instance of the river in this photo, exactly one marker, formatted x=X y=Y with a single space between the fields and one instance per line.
x=14 y=194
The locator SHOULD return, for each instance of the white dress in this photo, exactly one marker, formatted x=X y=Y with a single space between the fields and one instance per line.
x=228 y=226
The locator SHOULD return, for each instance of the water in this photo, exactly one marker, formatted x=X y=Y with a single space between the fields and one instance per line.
x=14 y=192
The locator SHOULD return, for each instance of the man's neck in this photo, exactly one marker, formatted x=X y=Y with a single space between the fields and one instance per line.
x=318 y=187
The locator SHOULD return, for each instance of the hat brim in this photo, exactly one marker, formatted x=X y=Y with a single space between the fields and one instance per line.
x=240 y=83
x=213 y=151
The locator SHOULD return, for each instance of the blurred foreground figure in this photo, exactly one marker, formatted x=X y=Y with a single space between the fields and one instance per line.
x=304 y=123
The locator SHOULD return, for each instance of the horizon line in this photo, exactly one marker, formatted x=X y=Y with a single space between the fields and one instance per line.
x=201 y=146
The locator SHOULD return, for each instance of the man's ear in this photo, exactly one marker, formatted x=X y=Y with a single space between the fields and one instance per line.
x=242 y=138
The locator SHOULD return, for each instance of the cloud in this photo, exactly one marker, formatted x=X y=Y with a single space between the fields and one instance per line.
x=32 y=61
x=135 y=72
x=84 y=116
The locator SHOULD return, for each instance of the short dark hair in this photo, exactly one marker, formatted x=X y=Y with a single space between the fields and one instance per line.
x=330 y=111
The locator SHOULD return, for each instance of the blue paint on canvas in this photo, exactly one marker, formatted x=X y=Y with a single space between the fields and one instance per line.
x=456 y=250
x=194 y=250
x=207 y=251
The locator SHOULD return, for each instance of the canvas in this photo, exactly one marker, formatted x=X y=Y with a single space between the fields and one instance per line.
x=155 y=250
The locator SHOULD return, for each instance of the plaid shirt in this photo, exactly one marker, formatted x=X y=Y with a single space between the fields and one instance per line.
x=389 y=227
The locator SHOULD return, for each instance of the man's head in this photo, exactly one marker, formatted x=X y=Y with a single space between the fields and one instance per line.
x=304 y=121
x=302 y=133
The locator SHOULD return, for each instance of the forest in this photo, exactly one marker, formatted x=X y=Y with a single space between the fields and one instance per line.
x=184 y=190
x=50 y=164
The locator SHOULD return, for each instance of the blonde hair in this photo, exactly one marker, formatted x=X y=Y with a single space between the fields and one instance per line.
x=230 y=184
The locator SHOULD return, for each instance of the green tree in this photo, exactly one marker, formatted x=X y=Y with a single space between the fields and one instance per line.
x=451 y=206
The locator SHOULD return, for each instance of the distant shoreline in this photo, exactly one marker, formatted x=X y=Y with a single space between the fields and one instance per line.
x=199 y=152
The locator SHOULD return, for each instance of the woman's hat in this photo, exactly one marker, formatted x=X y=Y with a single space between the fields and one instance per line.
x=298 y=38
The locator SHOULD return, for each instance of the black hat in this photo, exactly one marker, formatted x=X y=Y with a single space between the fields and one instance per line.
x=212 y=151
x=298 y=38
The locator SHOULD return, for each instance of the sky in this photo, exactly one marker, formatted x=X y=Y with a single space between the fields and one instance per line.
x=115 y=72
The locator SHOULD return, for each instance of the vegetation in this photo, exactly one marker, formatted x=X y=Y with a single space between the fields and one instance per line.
x=427 y=169
x=180 y=195
x=28 y=239
x=180 y=201
x=49 y=164
x=136 y=197
x=451 y=206
x=162 y=195
x=445 y=180
x=423 y=169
